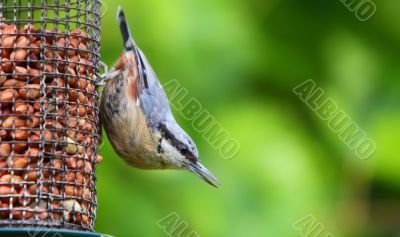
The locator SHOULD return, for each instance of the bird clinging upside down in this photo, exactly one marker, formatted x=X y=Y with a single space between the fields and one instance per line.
x=137 y=117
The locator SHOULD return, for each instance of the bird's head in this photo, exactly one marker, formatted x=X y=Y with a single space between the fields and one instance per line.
x=179 y=150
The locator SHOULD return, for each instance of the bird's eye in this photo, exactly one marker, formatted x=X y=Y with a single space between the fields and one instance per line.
x=184 y=151
x=188 y=154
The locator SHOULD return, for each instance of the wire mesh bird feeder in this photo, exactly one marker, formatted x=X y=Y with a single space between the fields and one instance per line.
x=49 y=113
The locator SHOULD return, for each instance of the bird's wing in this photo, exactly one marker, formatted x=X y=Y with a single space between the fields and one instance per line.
x=151 y=95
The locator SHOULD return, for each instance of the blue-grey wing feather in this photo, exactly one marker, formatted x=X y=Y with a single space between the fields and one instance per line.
x=153 y=100
x=155 y=106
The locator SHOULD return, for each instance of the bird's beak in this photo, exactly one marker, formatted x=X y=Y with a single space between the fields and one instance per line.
x=203 y=173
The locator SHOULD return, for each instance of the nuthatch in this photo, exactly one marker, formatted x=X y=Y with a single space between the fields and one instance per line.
x=137 y=117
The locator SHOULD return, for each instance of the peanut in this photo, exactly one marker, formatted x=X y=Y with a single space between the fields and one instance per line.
x=3 y=77
x=22 y=42
x=32 y=189
x=73 y=95
x=34 y=121
x=69 y=190
x=81 y=68
x=90 y=88
x=19 y=55
x=8 y=41
x=11 y=122
x=5 y=150
x=72 y=79
x=49 y=54
x=73 y=62
x=36 y=105
x=61 y=43
x=34 y=75
x=81 y=84
x=12 y=83
x=85 y=219
x=19 y=162
x=99 y=159
x=5 y=212
x=79 y=178
x=8 y=95
x=22 y=109
x=20 y=147
x=31 y=91
x=43 y=215
x=6 y=65
x=20 y=133
x=82 y=50
x=71 y=162
x=5 y=53
x=79 y=34
x=86 y=194
x=58 y=164
x=3 y=134
x=5 y=190
x=72 y=122
x=29 y=29
x=71 y=177
x=79 y=163
x=31 y=175
x=77 y=110
x=21 y=73
x=24 y=198
x=22 y=214
x=9 y=30
x=56 y=191
x=33 y=138
x=15 y=179
x=3 y=165
x=74 y=42
x=34 y=48
x=72 y=205
x=88 y=167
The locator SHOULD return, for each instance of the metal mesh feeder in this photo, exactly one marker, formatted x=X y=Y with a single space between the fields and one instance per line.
x=49 y=113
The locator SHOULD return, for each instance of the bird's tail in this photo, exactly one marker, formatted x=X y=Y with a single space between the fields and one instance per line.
x=129 y=43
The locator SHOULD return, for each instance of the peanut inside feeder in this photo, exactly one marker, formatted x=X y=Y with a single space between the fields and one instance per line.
x=48 y=125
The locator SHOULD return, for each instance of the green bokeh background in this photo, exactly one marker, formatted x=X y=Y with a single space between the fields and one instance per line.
x=241 y=60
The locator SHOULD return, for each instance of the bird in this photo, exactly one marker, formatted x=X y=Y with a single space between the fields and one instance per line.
x=137 y=118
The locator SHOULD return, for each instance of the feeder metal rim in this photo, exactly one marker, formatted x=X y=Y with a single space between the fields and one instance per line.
x=45 y=232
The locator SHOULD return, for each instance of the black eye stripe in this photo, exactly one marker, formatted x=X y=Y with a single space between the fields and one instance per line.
x=183 y=149
x=159 y=147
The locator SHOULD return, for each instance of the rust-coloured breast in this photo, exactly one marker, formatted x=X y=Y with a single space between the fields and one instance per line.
x=134 y=89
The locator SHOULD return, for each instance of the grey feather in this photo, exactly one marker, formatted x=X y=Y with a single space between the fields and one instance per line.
x=156 y=107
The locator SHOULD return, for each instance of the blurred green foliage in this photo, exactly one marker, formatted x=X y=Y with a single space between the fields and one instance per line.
x=241 y=60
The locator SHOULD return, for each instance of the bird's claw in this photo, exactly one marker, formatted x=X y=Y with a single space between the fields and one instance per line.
x=104 y=77
x=100 y=83
x=108 y=76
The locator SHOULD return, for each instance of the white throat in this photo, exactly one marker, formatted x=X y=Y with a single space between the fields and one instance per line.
x=171 y=156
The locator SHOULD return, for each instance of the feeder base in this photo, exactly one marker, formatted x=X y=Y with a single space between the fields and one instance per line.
x=31 y=232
